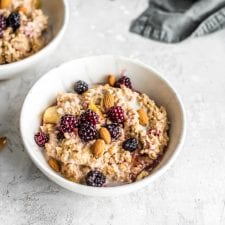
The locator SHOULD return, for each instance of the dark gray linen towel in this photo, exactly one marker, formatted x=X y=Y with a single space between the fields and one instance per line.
x=174 y=20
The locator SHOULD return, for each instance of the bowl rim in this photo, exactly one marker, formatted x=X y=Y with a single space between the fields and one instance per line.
x=106 y=191
x=46 y=48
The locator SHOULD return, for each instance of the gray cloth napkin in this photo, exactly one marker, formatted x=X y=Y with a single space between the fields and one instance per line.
x=174 y=20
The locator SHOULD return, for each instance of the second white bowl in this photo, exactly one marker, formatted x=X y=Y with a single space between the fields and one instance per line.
x=58 y=15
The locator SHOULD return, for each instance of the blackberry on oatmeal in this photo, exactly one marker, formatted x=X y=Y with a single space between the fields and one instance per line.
x=105 y=135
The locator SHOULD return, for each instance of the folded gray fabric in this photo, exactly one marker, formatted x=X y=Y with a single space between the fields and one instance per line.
x=175 y=20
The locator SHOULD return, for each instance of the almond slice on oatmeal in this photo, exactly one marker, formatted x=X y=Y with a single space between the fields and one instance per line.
x=51 y=115
x=143 y=117
x=111 y=80
x=54 y=164
x=108 y=100
x=95 y=108
x=98 y=148
x=105 y=135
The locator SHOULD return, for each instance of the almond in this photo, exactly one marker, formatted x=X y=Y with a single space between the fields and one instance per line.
x=111 y=80
x=51 y=115
x=105 y=135
x=54 y=164
x=3 y=142
x=143 y=117
x=73 y=179
x=108 y=100
x=98 y=148
x=5 y=3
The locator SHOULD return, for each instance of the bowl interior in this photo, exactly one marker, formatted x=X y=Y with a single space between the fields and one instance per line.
x=94 y=70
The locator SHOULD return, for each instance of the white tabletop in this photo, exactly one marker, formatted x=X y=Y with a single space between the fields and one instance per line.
x=192 y=192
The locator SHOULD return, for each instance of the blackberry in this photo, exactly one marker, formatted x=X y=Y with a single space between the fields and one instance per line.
x=13 y=20
x=114 y=130
x=2 y=25
x=130 y=144
x=87 y=131
x=116 y=114
x=41 y=138
x=124 y=80
x=95 y=178
x=68 y=123
x=80 y=87
x=89 y=116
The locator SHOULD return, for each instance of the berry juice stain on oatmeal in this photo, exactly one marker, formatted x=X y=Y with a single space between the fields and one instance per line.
x=105 y=135
x=22 y=28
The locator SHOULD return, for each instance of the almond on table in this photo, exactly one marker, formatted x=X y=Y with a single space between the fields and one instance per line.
x=3 y=142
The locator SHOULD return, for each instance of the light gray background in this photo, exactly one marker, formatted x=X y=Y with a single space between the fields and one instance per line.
x=192 y=192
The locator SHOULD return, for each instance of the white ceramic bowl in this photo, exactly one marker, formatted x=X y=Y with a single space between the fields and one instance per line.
x=58 y=13
x=94 y=70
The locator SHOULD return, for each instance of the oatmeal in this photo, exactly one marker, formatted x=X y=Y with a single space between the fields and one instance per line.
x=104 y=135
x=22 y=27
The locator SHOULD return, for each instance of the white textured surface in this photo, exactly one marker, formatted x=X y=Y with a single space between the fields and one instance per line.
x=191 y=193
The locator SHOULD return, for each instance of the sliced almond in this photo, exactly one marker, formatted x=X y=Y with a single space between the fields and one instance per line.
x=143 y=117
x=51 y=115
x=95 y=108
x=54 y=164
x=3 y=142
x=108 y=100
x=98 y=148
x=105 y=135
x=5 y=3
x=111 y=80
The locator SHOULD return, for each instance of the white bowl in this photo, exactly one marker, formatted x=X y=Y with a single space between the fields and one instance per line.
x=58 y=14
x=94 y=70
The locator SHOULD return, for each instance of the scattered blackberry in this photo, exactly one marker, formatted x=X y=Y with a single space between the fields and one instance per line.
x=80 y=87
x=116 y=114
x=68 y=123
x=2 y=25
x=114 y=130
x=87 y=131
x=124 y=81
x=41 y=138
x=13 y=20
x=130 y=144
x=89 y=116
x=95 y=178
